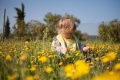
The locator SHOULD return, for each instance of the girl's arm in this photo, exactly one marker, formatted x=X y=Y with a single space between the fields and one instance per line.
x=56 y=46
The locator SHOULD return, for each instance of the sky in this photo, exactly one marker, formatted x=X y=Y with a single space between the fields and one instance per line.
x=90 y=12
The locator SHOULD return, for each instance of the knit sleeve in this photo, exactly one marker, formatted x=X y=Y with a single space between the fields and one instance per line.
x=81 y=45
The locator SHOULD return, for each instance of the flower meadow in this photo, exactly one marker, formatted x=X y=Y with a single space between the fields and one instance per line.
x=34 y=60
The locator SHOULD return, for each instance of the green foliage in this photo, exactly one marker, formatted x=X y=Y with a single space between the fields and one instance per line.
x=103 y=31
x=110 y=32
x=19 y=28
x=35 y=29
x=114 y=30
x=7 y=28
x=52 y=22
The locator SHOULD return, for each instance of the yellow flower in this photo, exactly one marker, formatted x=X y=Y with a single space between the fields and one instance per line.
x=118 y=59
x=14 y=51
x=0 y=52
x=26 y=48
x=29 y=78
x=26 y=42
x=79 y=62
x=67 y=56
x=96 y=58
x=105 y=59
x=38 y=52
x=91 y=63
x=69 y=70
x=105 y=76
x=107 y=67
x=50 y=56
x=77 y=54
x=43 y=51
x=43 y=59
x=48 y=70
x=23 y=57
x=111 y=55
x=8 y=58
x=37 y=77
x=81 y=69
x=117 y=66
x=0 y=47
x=11 y=77
x=31 y=62
x=60 y=63
x=33 y=68
x=69 y=74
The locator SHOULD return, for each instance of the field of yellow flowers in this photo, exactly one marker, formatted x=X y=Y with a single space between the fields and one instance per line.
x=34 y=60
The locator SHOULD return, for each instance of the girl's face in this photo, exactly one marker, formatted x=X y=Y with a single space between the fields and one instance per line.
x=68 y=35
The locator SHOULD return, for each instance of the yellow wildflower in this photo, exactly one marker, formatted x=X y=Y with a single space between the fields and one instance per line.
x=105 y=59
x=50 y=56
x=37 y=77
x=67 y=56
x=79 y=62
x=23 y=57
x=38 y=52
x=69 y=74
x=60 y=63
x=0 y=47
x=105 y=76
x=91 y=63
x=31 y=62
x=33 y=68
x=111 y=55
x=26 y=48
x=8 y=58
x=96 y=58
x=117 y=66
x=43 y=51
x=118 y=59
x=0 y=52
x=107 y=67
x=43 y=59
x=29 y=78
x=26 y=42
x=81 y=69
x=77 y=54
x=69 y=70
x=48 y=70
x=11 y=77
x=14 y=51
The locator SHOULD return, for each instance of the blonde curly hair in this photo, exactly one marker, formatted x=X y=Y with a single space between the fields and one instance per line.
x=66 y=27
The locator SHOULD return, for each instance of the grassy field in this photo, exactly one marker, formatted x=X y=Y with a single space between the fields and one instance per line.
x=34 y=60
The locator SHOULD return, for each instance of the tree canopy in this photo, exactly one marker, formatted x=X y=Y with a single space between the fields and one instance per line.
x=110 y=31
x=7 y=28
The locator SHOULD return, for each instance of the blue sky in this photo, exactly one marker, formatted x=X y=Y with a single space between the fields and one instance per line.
x=90 y=12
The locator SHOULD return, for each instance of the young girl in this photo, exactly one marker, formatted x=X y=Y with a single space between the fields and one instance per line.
x=66 y=40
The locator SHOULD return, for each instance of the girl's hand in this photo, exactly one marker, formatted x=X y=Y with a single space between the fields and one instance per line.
x=86 y=49
x=64 y=50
